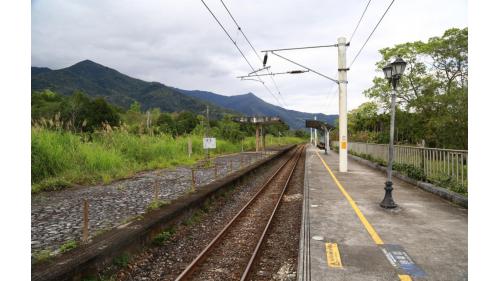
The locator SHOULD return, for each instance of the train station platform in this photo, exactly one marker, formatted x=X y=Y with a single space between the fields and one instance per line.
x=346 y=235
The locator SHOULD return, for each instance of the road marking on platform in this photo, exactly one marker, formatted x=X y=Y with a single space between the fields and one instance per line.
x=399 y=258
x=376 y=238
x=333 y=255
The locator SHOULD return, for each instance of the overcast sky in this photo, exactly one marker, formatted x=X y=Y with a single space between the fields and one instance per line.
x=179 y=43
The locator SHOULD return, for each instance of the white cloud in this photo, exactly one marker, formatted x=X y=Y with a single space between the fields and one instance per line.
x=180 y=44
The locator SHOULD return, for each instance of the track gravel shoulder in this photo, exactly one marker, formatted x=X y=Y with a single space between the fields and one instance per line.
x=167 y=261
x=56 y=217
x=278 y=256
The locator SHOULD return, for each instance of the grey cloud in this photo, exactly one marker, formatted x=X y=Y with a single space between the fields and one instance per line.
x=180 y=44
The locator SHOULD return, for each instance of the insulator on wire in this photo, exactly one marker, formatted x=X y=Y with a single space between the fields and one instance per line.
x=265 y=60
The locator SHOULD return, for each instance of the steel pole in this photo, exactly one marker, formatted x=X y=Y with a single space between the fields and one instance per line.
x=315 y=136
x=388 y=201
x=342 y=68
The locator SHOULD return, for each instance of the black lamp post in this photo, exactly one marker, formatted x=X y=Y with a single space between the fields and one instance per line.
x=392 y=73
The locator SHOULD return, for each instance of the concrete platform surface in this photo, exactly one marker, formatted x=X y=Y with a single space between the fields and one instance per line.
x=425 y=238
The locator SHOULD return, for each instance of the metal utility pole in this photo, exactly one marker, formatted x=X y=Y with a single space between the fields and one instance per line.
x=257 y=139
x=342 y=104
x=315 y=136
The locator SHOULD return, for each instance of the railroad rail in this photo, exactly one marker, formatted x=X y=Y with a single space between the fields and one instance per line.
x=233 y=255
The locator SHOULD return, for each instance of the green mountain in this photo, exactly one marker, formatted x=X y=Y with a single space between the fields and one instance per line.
x=249 y=104
x=100 y=81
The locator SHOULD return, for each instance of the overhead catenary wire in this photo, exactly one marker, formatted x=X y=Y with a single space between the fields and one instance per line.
x=300 y=48
x=369 y=36
x=251 y=45
x=274 y=73
x=359 y=21
x=312 y=70
x=239 y=50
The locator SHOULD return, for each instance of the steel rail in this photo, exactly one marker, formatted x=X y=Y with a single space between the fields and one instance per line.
x=190 y=268
x=269 y=221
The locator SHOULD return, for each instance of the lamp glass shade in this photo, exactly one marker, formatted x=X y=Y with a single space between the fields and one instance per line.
x=387 y=71
x=398 y=66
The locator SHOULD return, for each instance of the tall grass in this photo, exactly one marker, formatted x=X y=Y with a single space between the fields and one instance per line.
x=60 y=158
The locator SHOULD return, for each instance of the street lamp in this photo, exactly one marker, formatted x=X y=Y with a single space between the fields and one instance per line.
x=392 y=73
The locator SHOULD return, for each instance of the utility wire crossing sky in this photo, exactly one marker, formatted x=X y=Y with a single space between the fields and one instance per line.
x=182 y=45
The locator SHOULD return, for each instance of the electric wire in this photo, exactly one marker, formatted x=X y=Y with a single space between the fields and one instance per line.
x=359 y=21
x=312 y=70
x=369 y=36
x=239 y=50
x=251 y=45
x=300 y=48
x=331 y=97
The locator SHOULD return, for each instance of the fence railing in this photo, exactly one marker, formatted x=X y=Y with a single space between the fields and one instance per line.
x=434 y=162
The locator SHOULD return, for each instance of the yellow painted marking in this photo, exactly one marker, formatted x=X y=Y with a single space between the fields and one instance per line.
x=404 y=277
x=353 y=204
x=333 y=255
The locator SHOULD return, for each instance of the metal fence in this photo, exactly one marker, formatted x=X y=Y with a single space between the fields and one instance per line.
x=434 y=162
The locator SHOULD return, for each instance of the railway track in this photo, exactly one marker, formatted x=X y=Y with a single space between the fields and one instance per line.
x=231 y=254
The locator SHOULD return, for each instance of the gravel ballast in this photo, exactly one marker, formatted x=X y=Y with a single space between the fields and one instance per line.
x=56 y=217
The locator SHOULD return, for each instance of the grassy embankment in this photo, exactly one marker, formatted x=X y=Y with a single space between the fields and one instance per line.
x=60 y=159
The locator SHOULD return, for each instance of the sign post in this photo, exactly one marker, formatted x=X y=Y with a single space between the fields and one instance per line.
x=190 y=147
x=209 y=143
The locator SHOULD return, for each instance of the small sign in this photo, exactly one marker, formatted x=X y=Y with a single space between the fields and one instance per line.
x=343 y=145
x=208 y=143
x=399 y=258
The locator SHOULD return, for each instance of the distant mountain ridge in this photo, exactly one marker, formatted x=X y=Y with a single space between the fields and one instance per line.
x=249 y=104
x=120 y=89
x=100 y=81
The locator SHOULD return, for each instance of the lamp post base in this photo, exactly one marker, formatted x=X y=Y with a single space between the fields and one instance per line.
x=388 y=202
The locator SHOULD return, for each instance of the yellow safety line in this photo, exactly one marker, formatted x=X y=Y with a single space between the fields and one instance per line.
x=404 y=277
x=333 y=255
x=361 y=217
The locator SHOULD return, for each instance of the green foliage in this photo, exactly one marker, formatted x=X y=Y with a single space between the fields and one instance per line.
x=230 y=130
x=159 y=239
x=194 y=218
x=165 y=123
x=446 y=181
x=62 y=158
x=185 y=122
x=417 y=173
x=77 y=112
x=431 y=96
x=411 y=171
x=122 y=260
x=42 y=255
x=71 y=244
x=156 y=204
x=89 y=141
x=135 y=107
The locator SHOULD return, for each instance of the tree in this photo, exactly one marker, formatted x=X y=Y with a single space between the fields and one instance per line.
x=185 y=122
x=135 y=107
x=432 y=94
x=99 y=113
x=230 y=130
x=165 y=123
